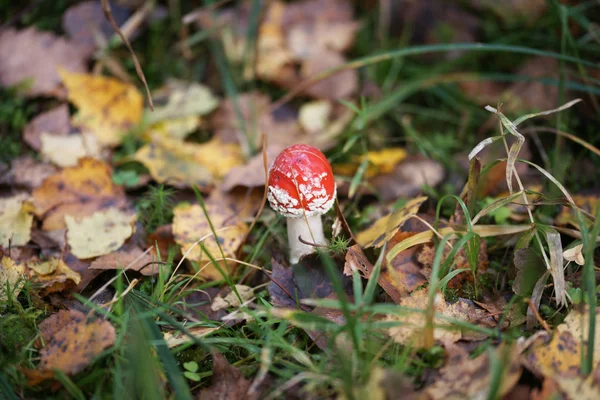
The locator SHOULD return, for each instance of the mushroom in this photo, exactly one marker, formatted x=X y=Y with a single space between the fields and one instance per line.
x=301 y=188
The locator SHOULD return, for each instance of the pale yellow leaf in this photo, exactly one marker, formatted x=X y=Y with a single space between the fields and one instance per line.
x=15 y=221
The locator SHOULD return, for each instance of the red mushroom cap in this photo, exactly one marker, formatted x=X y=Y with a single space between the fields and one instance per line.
x=301 y=182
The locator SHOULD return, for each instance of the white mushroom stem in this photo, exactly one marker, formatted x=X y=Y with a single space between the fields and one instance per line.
x=310 y=229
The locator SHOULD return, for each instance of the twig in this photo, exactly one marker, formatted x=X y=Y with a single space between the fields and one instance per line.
x=138 y=68
x=538 y=316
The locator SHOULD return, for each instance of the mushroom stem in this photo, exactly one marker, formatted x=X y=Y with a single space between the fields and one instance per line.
x=310 y=229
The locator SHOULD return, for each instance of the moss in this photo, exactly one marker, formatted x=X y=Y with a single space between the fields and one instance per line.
x=16 y=332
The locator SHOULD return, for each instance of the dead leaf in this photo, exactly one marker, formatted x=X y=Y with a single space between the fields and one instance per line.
x=12 y=276
x=559 y=355
x=177 y=338
x=106 y=106
x=410 y=332
x=385 y=228
x=408 y=178
x=567 y=216
x=100 y=233
x=575 y=254
x=55 y=322
x=55 y=121
x=73 y=347
x=380 y=162
x=53 y=275
x=187 y=164
x=66 y=150
x=133 y=259
x=314 y=116
x=222 y=302
x=182 y=100
x=252 y=174
x=177 y=128
x=465 y=378
x=76 y=191
x=16 y=217
x=27 y=172
x=190 y=225
x=38 y=65
x=228 y=383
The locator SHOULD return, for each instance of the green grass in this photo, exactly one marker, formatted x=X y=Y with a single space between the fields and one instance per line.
x=422 y=108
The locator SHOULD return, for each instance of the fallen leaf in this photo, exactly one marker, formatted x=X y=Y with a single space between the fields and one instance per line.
x=53 y=275
x=385 y=384
x=567 y=216
x=38 y=65
x=84 y=21
x=231 y=299
x=559 y=355
x=75 y=346
x=16 y=217
x=465 y=378
x=410 y=331
x=55 y=322
x=183 y=99
x=66 y=150
x=177 y=128
x=188 y=164
x=190 y=225
x=100 y=233
x=106 y=106
x=76 y=191
x=55 y=121
x=380 y=162
x=575 y=254
x=177 y=338
x=27 y=172
x=408 y=178
x=252 y=174
x=385 y=228
x=313 y=116
x=12 y=275
x=133 y=259
x=579 y=388
x=228 y=383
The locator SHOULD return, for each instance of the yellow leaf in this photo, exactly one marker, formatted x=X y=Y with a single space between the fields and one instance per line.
x=53 y=275
x=101 y=233
x=11 y=276
x=188 y=164
x=106 y=106
x=77 y=191
x=385 y=228
x=184 y=99
x=15 y=221
x=380 y=162
x=191 y=225
x=314 y=116
x=178 y=128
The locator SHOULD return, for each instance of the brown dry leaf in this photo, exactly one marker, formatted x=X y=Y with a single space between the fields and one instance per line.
x=55 y=121
x=25 y=171
x=12 y=276
x=54 y=323
x=404 y=274
x=408 y=178
x=385 y=228
x=73 y=347
x=38 y=65
x=410 y=332
x=191 y=225
x=77 y=191
x=465 y=378
x=53 y=275
x=559 y=356
x=100 y=233
x=133 y=259
x=252 y=174
x=106 y=107
x=228 y=383
x=187 y=164
x=16 y=217
x=67 y=150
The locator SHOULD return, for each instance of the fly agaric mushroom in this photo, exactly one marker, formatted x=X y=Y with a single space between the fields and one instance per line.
x=301 y=188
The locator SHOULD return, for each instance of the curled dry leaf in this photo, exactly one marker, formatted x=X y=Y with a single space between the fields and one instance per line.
x=55 y=121
x=16 y=217
x=187 y=164
x=133 y=259
x=17 y=66
x=385 y=228
x=76 y=191
x=53 y=275
x=190 y=225
x=412 y=324
x=12 y=277
x=75 y=345
x=231 y=299
x=100 y=233
x=106 y=107
x=575 y=254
